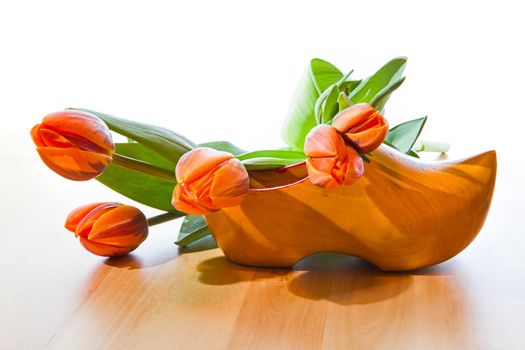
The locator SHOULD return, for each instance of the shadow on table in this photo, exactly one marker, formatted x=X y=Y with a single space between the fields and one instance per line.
x=219 y=271
x=158 y=254
x=334 y=277
x=345 y=280
x=132 y=262
x=129 y=262
x=205 y=243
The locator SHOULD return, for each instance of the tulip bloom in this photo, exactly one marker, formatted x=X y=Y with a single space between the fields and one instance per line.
x=76 y=145
x=108 y=229
x=330 y=161
x=209 y=180
x=362 y=126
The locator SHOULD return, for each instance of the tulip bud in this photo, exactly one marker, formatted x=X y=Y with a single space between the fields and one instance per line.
x=75 y=145
x=108 y=229
x=330 y=161
x=209 y=180
x=362 y=126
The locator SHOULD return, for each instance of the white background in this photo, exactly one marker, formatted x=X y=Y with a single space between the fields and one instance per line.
x=227 y=70
x=215 y=70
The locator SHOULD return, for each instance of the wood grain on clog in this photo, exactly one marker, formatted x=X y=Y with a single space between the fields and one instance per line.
x=403 y=214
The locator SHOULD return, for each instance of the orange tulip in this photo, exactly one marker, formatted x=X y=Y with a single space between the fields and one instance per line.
x=108 y=229
x=76 y=145
x=362 y=126
x=330 y=161
x=209 y=180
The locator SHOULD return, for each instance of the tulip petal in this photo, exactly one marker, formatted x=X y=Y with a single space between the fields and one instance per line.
x=364 y=128
x=368 y=140
x=35 y=135
x=319 y=178
x=323 y=141
x=85 y=225
x=371 y=122
x=182 y=202
x=356 y=167
x=326 y=170
x=323 y=164
x=121 y=226
x=87 y=131
x=105 y=249
x=208 y=181
x=230 y=185
x=198 y=191
x=50 y=138
x=76 y=215
x=352 y=116
x=74 y=164
x=199 y=188
x=194 y=164
x=108 y=228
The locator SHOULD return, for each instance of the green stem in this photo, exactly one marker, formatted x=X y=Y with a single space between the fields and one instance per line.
x=431 y=146
x=159 y=219
x=143 y=167
x=270 y=159
x=273 y=153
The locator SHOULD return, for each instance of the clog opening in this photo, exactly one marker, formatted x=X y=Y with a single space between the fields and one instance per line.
x=275 y=179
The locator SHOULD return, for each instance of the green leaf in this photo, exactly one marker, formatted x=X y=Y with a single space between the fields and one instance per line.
x=268 y=163
x=381 y=98
x=343 y=101
x=370 y=87
x=149 y=190
x=318 y=108
x=193 y=228
x=274 y=153
x=225 y=146
x=348 y=86
x=404 y=135
x=324 y=74
x=262 y=159
x=326 y=105
x=143 y=153
x=410 y=153
x=390 y=144
x=413 y=154
x=165 y=142
x=301 y=115
x=270 y=159
x=330 y=106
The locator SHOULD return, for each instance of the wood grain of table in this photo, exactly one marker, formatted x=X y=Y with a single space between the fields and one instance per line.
x=56 y=295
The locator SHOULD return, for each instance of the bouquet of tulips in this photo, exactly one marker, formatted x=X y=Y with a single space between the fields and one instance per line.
x=333 y=123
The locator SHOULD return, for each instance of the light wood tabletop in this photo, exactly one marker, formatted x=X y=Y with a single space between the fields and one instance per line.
x=54 y=294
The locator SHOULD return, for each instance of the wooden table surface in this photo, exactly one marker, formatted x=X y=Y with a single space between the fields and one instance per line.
x=56 y=295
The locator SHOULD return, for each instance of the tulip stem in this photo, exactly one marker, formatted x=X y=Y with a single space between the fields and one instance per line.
x=430 y=146
x=165 y=217
x=143 y=167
